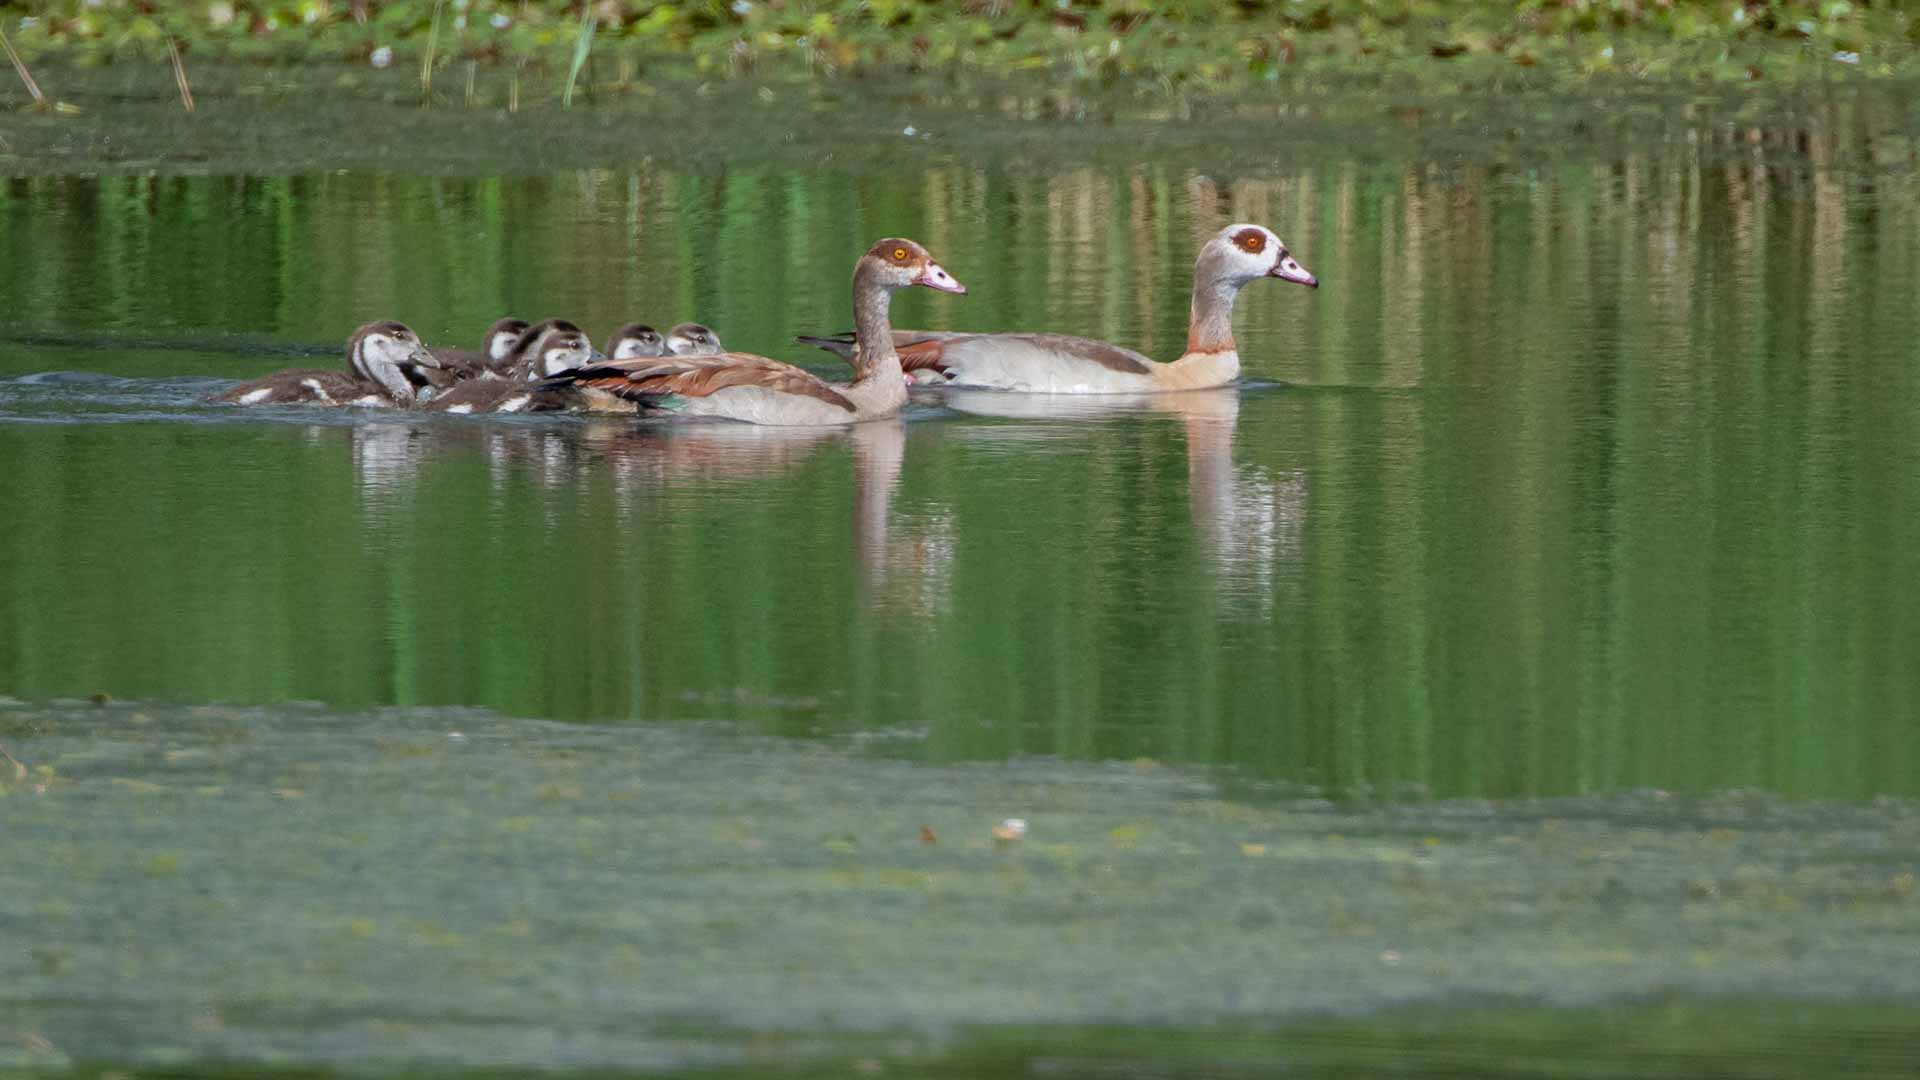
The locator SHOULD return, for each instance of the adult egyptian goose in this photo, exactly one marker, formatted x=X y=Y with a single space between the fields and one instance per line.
x=635 y=340
x=693 y=339
x=754 y=389
x=548 y=349
x=386 y=365
x=1058 y=364
x=489 y=362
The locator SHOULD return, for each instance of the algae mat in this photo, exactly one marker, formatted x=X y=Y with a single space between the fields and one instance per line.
x=455 y=887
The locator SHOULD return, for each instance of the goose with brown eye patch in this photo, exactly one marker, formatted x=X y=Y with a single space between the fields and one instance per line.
x=386 y=365
x=635 y=340
x=693 y=339
x=1059 y=364
x=755 y=389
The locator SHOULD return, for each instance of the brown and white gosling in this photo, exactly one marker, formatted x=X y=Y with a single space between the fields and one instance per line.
x=549 y=348
x=489 y=362
x=635 y=340
x=386 y=366
x=693 y=339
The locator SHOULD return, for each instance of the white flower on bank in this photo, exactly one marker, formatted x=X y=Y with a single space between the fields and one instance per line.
x=381 y=57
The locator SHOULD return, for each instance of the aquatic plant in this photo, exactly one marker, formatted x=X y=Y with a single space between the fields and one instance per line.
x=1174 y=43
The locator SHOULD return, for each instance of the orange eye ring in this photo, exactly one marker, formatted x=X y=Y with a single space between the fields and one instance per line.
x=900 y=253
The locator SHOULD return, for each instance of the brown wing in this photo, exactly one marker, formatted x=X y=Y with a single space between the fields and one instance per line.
x=699 y=376
x=919 y=349
x=924 y=355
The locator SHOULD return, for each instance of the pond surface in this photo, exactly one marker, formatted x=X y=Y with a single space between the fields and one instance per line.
x=1593 y=479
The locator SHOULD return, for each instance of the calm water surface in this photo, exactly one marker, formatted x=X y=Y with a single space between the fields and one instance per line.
x=1566 y=481
x=1572 y=480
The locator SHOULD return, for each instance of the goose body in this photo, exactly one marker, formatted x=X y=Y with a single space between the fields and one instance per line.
x=758 y=390
x=1061 y=364
x=386 y=366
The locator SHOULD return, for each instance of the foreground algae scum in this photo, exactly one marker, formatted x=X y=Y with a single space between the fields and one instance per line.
x=1519 y=656
x=296 y=884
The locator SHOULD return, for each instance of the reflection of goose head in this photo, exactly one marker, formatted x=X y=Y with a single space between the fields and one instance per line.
x=385 y=458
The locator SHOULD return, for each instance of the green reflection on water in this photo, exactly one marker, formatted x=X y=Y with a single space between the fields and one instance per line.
x=1597 y=475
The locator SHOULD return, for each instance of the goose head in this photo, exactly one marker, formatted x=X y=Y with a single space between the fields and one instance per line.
x=1241 y=253
x=524 y=359
x=634 y=341
x=390 y=354
x=501 y=337
x=693 y=339
x=896 y=263
x=560 y=350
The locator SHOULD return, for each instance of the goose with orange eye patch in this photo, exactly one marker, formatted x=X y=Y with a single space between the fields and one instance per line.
x=1268 y=252
x=1058 y=364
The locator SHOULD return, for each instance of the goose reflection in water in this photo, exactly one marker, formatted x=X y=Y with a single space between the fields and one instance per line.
x=905 y=565
x=1250 y=518
x=386 y=458
x=905 y=568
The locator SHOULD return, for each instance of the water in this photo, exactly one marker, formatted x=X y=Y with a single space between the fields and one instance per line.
x=1587 y=486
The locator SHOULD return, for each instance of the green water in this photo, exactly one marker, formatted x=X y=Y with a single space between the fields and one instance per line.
x=1587 y=486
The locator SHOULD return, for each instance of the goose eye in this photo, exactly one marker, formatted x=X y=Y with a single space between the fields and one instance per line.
x=900 y=254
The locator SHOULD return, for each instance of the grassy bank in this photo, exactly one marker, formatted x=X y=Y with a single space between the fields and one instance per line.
x=1178 y=44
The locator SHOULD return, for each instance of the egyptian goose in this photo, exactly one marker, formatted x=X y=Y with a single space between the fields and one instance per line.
x=754 y=389
x=387 y=365
x=488 y=363
x=693 y=339
x=1058 y=364
x=546 y=349
x=635 y=340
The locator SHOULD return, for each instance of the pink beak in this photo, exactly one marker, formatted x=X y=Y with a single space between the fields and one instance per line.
x=936 y=277
x=1289 y=269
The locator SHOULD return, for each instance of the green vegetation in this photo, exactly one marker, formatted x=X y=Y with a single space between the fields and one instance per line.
x=405 y=892
x=1178 y=43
